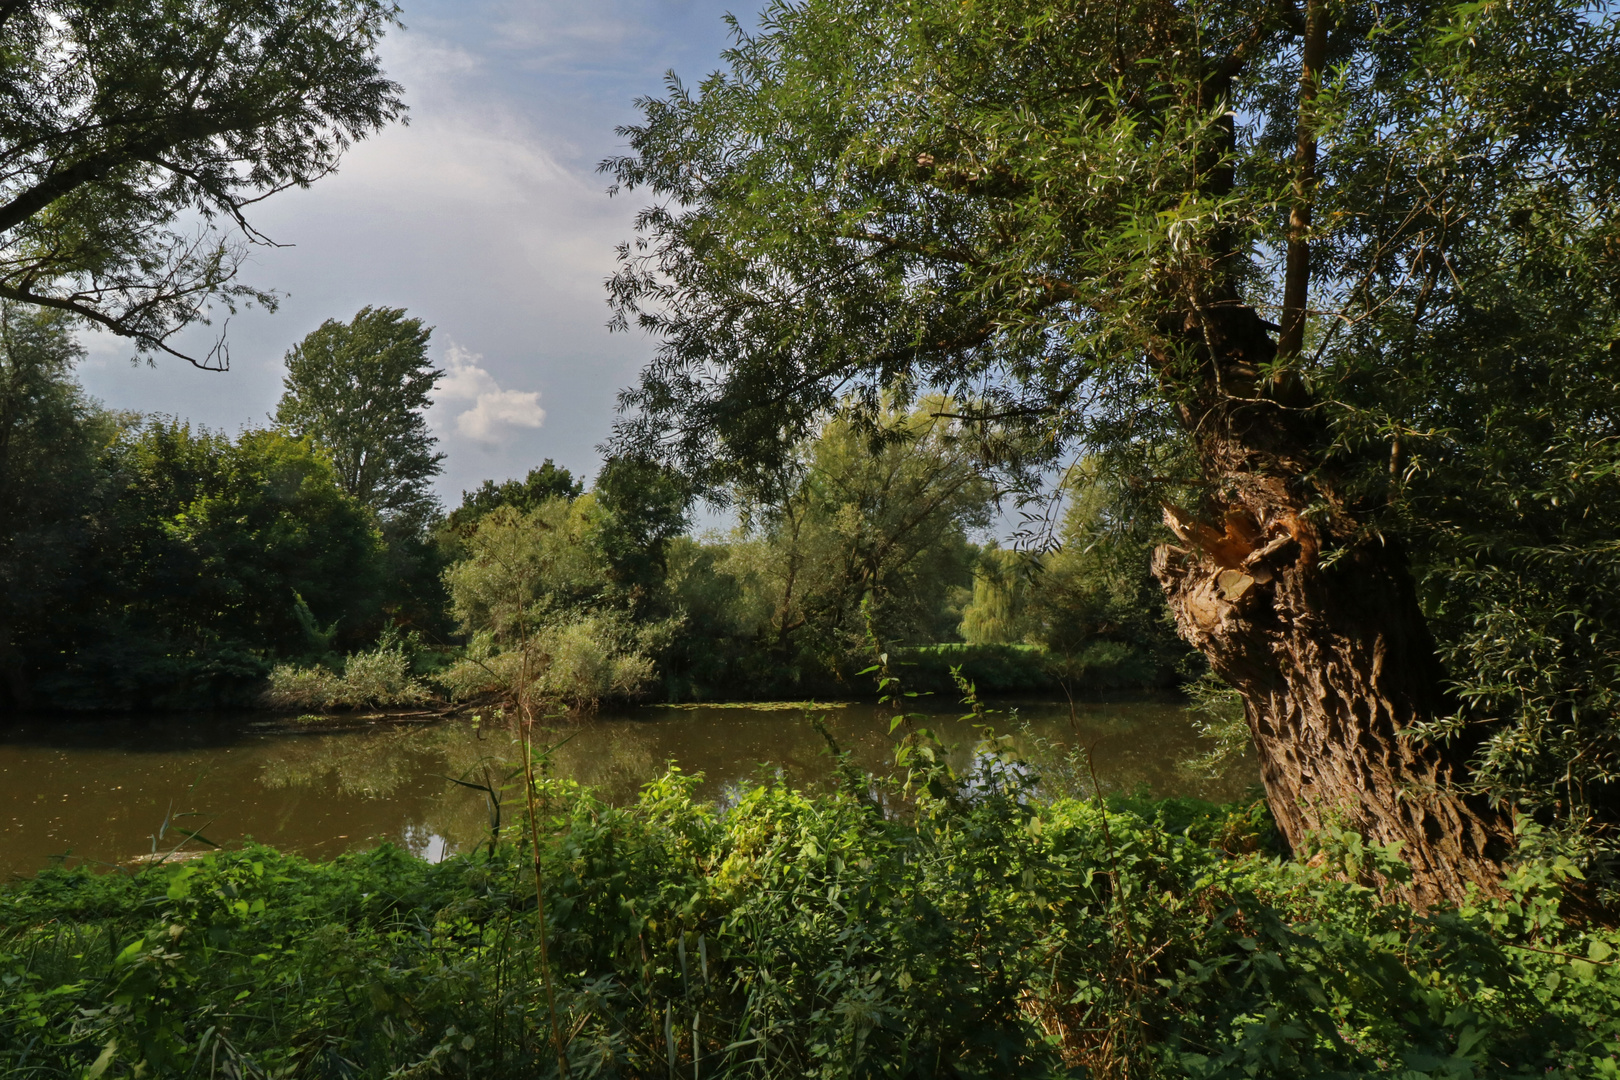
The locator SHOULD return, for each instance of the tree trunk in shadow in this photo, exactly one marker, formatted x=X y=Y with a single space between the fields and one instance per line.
x=1335 y=663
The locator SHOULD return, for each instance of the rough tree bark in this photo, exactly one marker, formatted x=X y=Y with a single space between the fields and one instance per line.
x=1334 y=662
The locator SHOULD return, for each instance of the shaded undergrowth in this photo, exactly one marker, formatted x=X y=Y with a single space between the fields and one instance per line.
x=867 y=932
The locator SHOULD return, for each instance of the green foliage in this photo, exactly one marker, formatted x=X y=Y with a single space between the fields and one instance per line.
x=211 y=557
x=267 y=523
x=998 y=669
x=1096 y=586
x=789 y=936
x=373 y=677
x=574 y=660
x=1047 y=207
x=875 y=510
x=51 y=439
x=522 y=567
x=639 y=507
x=126 y=121
x=980 y=182
x=359 y=391
x=548 y=620
x=1090 y=602
x=1510 y=482
x=879 y=511
x=997 y=615
x=541 y=485
x=1481 y=402
x=1223 y=721
x=1026 y=198
x=769 y=610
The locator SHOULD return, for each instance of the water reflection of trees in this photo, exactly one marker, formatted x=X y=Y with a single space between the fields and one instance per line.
x=407 y=766
x=417 y=767
x=1130 y=748
x=369 y=765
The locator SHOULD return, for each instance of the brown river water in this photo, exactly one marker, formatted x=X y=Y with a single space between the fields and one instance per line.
x=109 y=791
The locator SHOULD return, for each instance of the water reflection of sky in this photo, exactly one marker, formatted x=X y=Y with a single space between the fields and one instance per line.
x=100 y=790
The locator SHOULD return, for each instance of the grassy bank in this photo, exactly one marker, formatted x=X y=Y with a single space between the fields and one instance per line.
x=1032 y=669
x=393 y=676
x=797 y=936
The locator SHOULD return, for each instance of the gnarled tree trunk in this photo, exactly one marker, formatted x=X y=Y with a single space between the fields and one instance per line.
x=1335 y=662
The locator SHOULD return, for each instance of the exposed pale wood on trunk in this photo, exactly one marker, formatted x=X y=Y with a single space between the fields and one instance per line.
x=1334 y=662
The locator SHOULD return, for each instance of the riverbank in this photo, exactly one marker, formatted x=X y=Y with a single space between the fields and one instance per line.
x=100 y=790
x=800 y=936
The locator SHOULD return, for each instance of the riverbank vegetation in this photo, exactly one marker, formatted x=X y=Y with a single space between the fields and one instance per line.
x=1327 y=288
x=305 y=566
x=953 y=926
x=1308 y=311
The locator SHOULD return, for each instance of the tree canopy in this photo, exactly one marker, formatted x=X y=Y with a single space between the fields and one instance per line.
x=360 y=390
x=851 y=523
x=546 y=482
x=1272 y=264
x=130 y=131
x=50 y=438
x=1018 y=200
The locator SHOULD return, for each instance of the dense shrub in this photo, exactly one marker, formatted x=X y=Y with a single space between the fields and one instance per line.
x=859 y=933
x=380 y=676
x=575 y=662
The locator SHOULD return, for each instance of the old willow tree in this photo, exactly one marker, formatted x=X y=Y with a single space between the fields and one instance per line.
x=1265 y=257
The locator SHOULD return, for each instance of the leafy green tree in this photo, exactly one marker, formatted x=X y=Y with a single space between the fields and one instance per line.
x=999 y=611
x=361 y=391
x=523 y=568
x=1508 y=483
x=545 y=618
x=546 y=482
x=1095 y=587
x=211 y=557
x=124 y=119
x=722 y=650
x=868 y=514
x=638 y=507
x=1243 y=252
x=270 y=523
x=51 y=439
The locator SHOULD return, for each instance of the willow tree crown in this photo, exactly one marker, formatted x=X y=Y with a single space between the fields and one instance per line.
x=1041 y=205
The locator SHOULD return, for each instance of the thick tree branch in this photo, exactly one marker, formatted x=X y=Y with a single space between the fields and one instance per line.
x=91 y=169
x=218 y=358
x=1297 y=274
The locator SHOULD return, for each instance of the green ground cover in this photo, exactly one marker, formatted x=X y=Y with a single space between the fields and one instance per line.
x=980 y=931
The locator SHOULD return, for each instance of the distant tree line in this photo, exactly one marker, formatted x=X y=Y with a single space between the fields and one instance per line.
x=148 y=563
x=868 y=535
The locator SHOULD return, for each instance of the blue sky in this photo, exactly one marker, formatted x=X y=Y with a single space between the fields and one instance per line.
x=484 y=217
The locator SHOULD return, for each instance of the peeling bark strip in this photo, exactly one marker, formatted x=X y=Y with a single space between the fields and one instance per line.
x=1332 y=666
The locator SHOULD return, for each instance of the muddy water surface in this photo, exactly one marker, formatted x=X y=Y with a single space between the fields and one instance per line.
x=111 y=790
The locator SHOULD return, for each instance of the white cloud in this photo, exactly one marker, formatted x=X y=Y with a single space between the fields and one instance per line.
x=463 y=379
x=493 y=408
x=520 y=408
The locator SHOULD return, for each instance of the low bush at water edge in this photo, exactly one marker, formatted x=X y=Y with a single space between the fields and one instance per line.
x=1027 y=669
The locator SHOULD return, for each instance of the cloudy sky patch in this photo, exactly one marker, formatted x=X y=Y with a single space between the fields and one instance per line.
x=494 y=412
x=484 y=217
